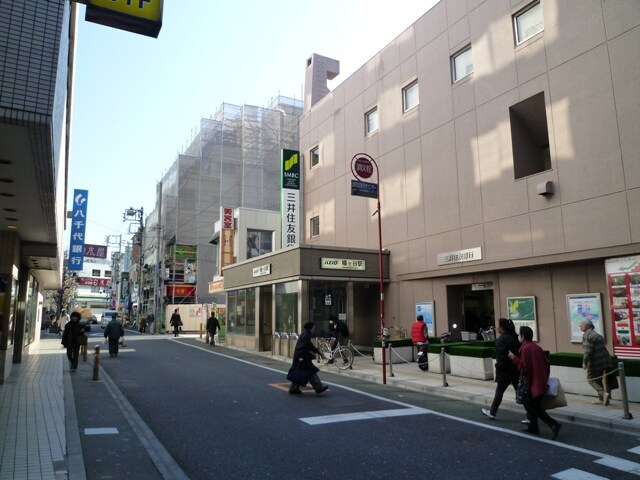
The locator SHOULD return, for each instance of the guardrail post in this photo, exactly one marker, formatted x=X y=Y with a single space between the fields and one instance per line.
x=96 y=363
x=390 y=362
x=443 y=367
x=623 y=391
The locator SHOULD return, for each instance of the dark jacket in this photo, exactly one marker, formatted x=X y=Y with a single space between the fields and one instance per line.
x=213 y=325
x=72 y=330
x=114 y=330
x=175 y=321
x=506 y=371
x=305 y=349
x=534 y=363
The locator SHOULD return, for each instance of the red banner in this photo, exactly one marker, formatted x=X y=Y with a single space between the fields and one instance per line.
x=181 y=291
x=94 y=282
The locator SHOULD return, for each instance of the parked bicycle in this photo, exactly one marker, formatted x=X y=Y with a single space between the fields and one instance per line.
x=341 y=356
x=488 y=333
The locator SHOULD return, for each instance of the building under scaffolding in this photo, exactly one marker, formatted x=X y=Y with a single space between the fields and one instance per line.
x=233 y=161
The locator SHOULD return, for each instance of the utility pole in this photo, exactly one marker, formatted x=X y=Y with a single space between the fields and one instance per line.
x=115 y=269
x=137 y=215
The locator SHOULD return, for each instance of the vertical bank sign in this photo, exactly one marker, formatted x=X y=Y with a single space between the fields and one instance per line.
x=290 y=204
x=78 y=226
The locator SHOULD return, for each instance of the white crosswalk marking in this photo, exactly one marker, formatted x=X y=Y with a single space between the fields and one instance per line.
x=620 y=464
x=575 y=474
x=635 y=450
x=347 y=417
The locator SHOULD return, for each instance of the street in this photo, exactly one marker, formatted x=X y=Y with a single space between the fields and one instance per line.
x=225 y=414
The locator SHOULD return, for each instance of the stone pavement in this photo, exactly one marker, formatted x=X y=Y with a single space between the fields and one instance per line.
x=40 y=439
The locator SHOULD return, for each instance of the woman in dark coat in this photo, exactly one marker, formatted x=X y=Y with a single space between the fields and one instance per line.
x=72 y=330
x=533 y=362
x=303 y=357
x=506 y=371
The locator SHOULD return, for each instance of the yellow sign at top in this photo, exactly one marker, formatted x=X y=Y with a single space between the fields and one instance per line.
x=147 y=9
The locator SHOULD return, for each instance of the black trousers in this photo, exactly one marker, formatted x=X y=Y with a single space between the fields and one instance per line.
x=73 y=354
x=535 y=412
x=501 y=387
x=113 y=346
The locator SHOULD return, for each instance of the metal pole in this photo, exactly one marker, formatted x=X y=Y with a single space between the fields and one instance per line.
x=443 y=367
x=384 y=368
x=391 y=361
x=623 y=392
x=96 y=363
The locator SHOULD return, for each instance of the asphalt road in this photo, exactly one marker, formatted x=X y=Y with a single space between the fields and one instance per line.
x=226 y=414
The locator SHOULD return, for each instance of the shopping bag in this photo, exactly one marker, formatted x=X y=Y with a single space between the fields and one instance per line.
x=552 y=386
x=523 y=394
x=554 y=401
x=122 y=342
x=298 y=375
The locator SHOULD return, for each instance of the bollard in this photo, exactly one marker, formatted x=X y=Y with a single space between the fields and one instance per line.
x=96 y=363
x=390 y=362
x=623 y=392
x=83 y=351
x=443 y=367
x=200 y=329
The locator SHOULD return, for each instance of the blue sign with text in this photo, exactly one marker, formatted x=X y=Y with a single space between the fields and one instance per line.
x=78 y=227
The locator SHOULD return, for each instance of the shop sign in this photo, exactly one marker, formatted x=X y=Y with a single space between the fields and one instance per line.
x=184 y=251
x=216 y=286
x=95 y=251
x=343 y=264
x=623 y=281
x=94 y=282
x=290 y=197
x=143 y=17
x=78 y=227
x=262 y=270
x=459 y=256
x=181 y=291
x=227 y=218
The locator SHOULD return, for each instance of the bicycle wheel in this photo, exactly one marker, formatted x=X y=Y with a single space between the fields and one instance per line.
x=344 y=358
x=325 y=353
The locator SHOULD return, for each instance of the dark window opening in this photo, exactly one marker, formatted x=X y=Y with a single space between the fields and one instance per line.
x=530 y=137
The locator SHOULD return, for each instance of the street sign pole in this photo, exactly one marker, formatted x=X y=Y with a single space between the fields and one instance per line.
x=363 y=167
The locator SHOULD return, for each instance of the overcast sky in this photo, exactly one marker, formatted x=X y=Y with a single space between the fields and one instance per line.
x=138 y=101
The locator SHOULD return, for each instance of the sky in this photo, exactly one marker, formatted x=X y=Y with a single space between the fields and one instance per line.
x=138 y=100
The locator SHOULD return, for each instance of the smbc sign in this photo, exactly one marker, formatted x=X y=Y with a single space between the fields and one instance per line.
x=137 y=16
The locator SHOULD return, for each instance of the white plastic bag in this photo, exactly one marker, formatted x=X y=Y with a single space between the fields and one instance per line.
x=552 y=387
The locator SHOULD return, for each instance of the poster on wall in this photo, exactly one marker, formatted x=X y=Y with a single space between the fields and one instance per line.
x=580 y=307
x=522 y=311
x=426 y=310
x=623 y=281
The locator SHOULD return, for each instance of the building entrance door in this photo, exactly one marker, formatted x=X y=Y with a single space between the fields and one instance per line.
x=470 y=309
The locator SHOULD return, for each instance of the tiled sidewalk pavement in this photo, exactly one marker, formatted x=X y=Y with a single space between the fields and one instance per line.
x=32 y=416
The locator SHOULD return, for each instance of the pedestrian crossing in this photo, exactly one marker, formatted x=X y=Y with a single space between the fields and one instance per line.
x=616 y=463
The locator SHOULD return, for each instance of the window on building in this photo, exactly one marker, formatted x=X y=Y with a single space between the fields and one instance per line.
x=95 y=272
x=107 y=273
x=314 y=226
x=410 y=96
x=462 y=64
x=371 y=121
x=259 y=242
x=315 y=156
x=530 y=137
x=528 y=22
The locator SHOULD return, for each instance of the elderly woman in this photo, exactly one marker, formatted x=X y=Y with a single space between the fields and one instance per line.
x=534 y=364
x=303 y=358
x=71 y=339
x=596 y=359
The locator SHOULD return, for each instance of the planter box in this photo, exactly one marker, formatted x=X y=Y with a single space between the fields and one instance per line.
x=472 y=367
x=574 y=380
x=434 y=363
x=399 y=355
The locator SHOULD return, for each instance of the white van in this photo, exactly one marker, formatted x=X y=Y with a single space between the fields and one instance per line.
x=107 y=316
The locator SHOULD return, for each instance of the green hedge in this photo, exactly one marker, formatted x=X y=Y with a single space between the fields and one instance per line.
x=402 y=342
x=471 y=351
x=436 y=347
x=571 y=359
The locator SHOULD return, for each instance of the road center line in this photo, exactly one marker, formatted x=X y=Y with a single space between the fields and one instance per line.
x=348 y=417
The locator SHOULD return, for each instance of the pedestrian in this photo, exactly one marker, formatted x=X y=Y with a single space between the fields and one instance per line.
x=596 y=360
x=506 y=371
x=303 y=358
x=533 y=364
x=175 y=322
x=213 y=325
x=142 y=328
x=151 y=318
x=72 y=338
x=113 y=332
x=419 y=331
x=64 y=319
x=339 y=333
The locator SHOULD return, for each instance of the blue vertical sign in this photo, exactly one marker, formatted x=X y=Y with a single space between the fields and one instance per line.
x=78 y=226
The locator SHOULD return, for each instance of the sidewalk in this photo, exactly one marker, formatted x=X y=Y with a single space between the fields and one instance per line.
x=39 y=436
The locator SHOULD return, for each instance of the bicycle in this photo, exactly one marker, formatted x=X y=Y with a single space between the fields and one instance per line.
x=329 y=355
x=488 y=333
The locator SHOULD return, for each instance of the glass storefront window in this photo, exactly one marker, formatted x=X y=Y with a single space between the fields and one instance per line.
x=241 y=306
x=250 y=295
x=326 y=299
x=287 y=307
x=231 y=309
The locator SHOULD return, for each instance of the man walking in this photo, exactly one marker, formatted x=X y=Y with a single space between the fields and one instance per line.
x=213 y=325
x=175 y=322
x=113 y=332
x=596 y=360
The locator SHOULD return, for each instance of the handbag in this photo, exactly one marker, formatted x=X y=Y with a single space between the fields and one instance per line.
x=558 y=400
x=523 y=394
x=122 y=343
x=298 y=375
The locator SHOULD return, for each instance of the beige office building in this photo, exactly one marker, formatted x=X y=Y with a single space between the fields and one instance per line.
x=506 y=134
